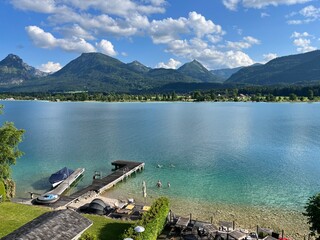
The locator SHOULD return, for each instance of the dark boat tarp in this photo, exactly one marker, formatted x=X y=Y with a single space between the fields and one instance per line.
x=97 y=206
x=62 y=174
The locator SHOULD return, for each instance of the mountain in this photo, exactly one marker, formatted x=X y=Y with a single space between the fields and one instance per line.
x=294 y=69
x=163 y=76
x=97 y=72
x=225 y=73
x=138 y=67
x=13 y=71
x=197 y=71
x=102 y=73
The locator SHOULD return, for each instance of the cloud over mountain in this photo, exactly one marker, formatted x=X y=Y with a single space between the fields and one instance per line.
x=104 y=25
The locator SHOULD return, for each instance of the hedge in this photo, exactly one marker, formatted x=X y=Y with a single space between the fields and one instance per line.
x=153 y=221
x=2 y=191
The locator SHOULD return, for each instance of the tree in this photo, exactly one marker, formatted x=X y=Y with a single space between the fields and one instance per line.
x=310 y=94
x=10 y=137
x=313 y=213
x=292 y=97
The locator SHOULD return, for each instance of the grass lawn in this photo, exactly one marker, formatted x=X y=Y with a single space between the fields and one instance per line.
x=13 y=216
x=106 y=228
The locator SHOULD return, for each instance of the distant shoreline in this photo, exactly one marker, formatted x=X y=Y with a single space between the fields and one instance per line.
x=96 y=101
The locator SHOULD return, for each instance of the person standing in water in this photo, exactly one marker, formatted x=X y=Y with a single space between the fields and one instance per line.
x=169 y=184
x=159 y=184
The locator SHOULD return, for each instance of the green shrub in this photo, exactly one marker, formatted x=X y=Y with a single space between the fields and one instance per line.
x=2 y=191
x=262 y=234
x=153 y=221
x=88 y=236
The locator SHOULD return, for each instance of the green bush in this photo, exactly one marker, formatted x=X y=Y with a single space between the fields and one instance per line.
x=2 y=191
x=153 y=221
x=313 y=214
x=88 y=236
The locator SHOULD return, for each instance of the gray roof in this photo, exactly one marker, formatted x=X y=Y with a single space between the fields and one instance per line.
x=55 y=225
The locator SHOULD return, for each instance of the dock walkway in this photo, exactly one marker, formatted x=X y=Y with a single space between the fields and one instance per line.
x=123 y=169
x=62 y=187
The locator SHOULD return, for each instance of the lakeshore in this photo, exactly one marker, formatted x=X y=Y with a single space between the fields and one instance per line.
x=292 y=222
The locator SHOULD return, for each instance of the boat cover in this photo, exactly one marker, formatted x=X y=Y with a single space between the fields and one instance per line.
x=62 y=174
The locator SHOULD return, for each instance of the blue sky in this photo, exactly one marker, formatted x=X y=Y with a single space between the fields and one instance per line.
x=47 y=34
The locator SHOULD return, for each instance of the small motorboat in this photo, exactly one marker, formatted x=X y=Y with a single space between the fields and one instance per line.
x=47 y=198
x=58 y=177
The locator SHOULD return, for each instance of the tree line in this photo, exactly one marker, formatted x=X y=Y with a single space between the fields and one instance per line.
x=248 y=93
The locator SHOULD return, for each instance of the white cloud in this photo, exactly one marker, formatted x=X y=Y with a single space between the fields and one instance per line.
x=74 y=30
x=209 y=55
x=269 y=56
x=303 y=41
x=310 y=12
x=81 y=26
x=75 y=45
x=214 y=38
x=264 y=14
x=171 y=64
x=233 y=4
x=157 y=2
x=307 y=14
x=166 y=30
x=42 y=6
x=303 y=45
x=121 y=8
x=106 y=47
x=201 y=26
x=95 y=18
x=295 y=22
x=299 y=35
x=251 y=40
x=214 y=59
x=50 y=67
x=246 y=43
x=169 y=29
x=99 y=25
x=115 y=7
x=43 y=39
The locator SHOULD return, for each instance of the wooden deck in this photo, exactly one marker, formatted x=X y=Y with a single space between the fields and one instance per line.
x=123 y=169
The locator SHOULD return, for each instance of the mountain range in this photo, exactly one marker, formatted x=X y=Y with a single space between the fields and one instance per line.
x=294 y=69
x=102 y=73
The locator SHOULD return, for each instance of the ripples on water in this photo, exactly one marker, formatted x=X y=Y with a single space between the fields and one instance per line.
x=239 y=153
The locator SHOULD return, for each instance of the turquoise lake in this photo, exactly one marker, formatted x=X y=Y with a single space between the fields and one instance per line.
x=256 y=154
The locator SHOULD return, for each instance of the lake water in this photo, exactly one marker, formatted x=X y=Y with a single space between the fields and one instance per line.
x=253 y=154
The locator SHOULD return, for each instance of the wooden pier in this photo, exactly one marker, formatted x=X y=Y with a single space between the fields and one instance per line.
x=62 y=187
x=123 y=169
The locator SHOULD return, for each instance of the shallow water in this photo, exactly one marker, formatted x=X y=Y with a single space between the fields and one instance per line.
x=249 y=154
